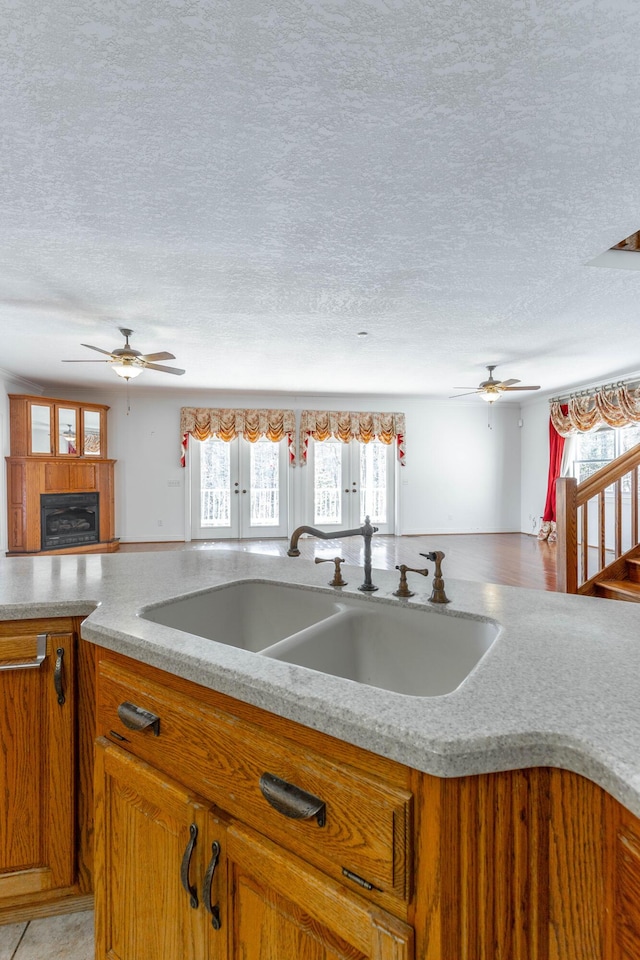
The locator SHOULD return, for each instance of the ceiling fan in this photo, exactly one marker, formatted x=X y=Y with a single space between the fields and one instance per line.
x=129 y=363
x=490 y=389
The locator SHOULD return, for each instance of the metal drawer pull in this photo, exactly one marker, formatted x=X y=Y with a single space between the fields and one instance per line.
x=291 y=801
x=135 y=718
x=57 y=675
x=41 y=653
x=206 y=886
x=184 y=867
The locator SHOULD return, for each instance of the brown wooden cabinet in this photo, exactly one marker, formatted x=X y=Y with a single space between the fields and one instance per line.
x=59 y=450
x=42 y=846
x=151 y=880
x=536 y=864
x=283 y=887
x=47 y=427
x=198 y=888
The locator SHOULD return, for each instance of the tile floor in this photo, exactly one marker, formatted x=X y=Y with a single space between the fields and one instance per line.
x=56 y=938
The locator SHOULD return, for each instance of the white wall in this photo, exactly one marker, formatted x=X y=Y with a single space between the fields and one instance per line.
x=534 y=437
x=8 y=384
x=460 y=477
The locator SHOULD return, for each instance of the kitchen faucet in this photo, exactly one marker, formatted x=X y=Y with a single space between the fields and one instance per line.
x=366 y=531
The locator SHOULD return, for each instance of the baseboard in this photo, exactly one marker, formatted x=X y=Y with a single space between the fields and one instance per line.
x=152 y=540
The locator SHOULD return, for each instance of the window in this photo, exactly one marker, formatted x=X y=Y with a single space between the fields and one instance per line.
x=599 y=447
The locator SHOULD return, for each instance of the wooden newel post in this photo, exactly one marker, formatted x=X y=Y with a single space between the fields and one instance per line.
x=567 y=531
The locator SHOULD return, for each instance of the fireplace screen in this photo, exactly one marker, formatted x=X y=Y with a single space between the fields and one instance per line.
x=68 y=519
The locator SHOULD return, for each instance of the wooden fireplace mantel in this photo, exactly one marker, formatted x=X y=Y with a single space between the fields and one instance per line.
x=31 y=473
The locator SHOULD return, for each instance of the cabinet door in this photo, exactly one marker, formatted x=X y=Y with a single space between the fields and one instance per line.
x=37 y=766
x=153 y=841
x=279 y=907
x=67 y=418
x=40 y=429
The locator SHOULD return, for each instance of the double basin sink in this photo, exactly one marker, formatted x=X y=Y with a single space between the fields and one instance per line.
x=420 y=653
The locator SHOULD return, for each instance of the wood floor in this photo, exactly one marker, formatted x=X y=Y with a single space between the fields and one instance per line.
x=514 y=559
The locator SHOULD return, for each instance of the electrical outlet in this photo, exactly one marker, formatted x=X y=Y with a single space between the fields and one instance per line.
x=160 y=523
x=173 y=483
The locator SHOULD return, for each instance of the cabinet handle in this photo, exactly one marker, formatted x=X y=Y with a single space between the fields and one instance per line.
x=206 y=886
x=292 y=801
x=184 y=867
x=57 y=675
x=135 y=718
x=41 y=653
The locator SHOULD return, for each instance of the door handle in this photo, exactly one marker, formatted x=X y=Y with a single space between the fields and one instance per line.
x=57 y=676
x=184 y=867
x=213 y=909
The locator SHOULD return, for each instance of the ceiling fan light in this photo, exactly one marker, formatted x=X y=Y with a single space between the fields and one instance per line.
x=490 y=396
x=127 y=369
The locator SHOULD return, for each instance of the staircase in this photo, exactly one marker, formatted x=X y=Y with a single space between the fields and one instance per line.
x=626 y=589
x=597 y=524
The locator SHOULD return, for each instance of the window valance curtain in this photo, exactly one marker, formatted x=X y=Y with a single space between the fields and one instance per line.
x=346 y=426
x=615 y=406
x=227 y=424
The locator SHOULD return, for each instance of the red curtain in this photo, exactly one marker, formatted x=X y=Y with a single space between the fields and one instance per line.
x=556 y=449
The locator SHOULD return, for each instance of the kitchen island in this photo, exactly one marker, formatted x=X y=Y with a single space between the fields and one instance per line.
x=557 y=691
x=559 y=687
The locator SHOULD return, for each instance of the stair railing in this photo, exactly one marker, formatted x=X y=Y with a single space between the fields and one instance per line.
x=597 y=524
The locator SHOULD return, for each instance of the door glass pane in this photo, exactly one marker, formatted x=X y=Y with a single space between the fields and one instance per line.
x=91 y=420
x=327 y=482
x=373 y=482
x=215 y=484
x=67 y=442
x=265 y=484
x=40 y=428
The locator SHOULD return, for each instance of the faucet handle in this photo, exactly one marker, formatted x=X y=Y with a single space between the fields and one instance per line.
x=337 y=577
x=403 y=587
x=437 y=595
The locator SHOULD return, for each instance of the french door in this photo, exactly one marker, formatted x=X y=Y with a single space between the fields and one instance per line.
x=238 y=489
x=349 y=481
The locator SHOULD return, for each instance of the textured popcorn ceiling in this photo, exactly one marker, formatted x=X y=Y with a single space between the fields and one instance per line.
x=249 y=184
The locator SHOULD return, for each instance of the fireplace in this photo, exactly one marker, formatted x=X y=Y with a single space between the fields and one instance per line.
x=68 y=519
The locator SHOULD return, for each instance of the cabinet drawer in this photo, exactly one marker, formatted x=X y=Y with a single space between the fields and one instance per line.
x=367 y=824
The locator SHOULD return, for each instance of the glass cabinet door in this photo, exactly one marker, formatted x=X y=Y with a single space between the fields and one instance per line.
x=92 y=433
x=41 y=428
x=67 y=431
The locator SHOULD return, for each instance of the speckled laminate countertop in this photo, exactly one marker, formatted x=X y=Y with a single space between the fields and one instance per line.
x=559 y=687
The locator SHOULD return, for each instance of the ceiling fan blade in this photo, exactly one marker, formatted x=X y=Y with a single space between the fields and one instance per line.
x=455 y=396
x=85 y=361
x=162 y=369
x=508 y=383
x=156 y=356
x=508 y=389
x=99 y=349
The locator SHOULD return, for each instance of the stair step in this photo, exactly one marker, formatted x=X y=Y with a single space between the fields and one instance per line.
x=619 y=590
x=633 y=569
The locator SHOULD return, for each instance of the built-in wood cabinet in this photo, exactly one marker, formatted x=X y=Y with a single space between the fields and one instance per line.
x=43 y=846
x=58 y=448
x=536 y=864
x=45 y=427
